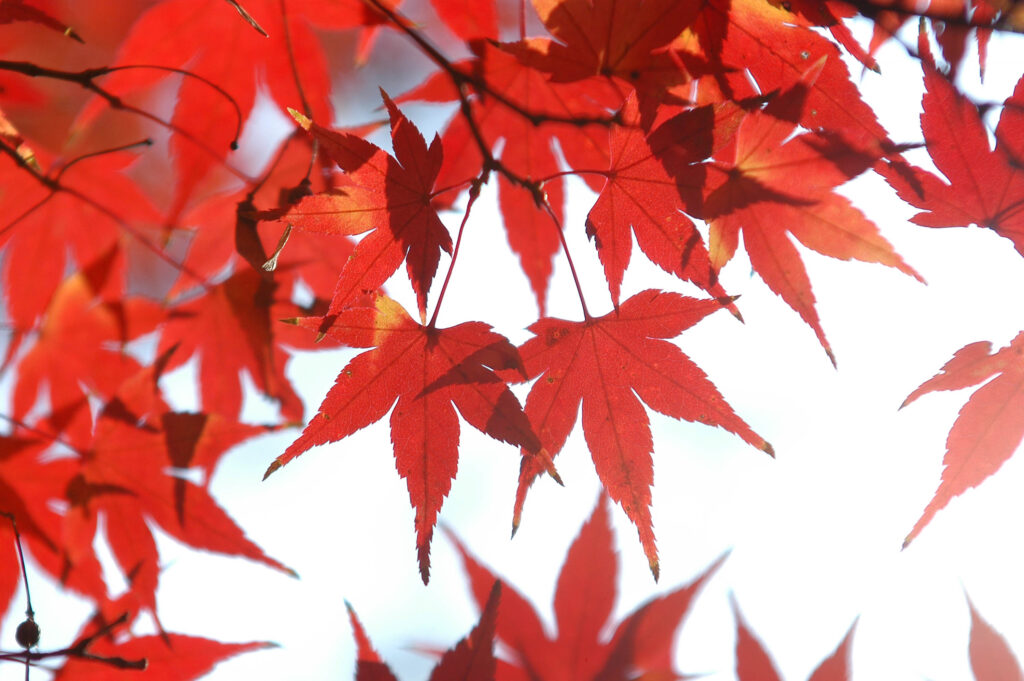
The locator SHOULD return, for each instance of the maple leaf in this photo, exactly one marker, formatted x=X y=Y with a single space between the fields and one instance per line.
x=769 y=184
x=953 y=21
x=387 y=194
x=32 y=484
x=528 y=149
x=753 y=663
x=17 y=10
x=641 y=197
x=986 y=185
x=425 y=373
x=469 y=19
x=619 y=39
x=169 y=657
x=42 y=226
x=229 y=327
x=609 y=364
x=471 y=659
x=137 y=468
x=990 y=425
x=831 y=14
x=991 y=658
x=76 y=349
x=289 y=62
x=584 y=600
x=741 y=36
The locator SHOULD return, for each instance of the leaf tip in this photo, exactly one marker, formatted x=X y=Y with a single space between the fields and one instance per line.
x=271 y=468
x=300 y=118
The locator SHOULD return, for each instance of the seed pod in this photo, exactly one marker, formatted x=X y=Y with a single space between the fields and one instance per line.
x=27 y=634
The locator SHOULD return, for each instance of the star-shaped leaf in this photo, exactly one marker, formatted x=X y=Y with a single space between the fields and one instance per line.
x=390 y=195
x=610 y=364
x=425 y=373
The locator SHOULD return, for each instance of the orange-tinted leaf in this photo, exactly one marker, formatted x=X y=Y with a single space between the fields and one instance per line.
x=139 y=467
x=611 y=38
x=609 y=364
x=989 y=427
x=176 y=33
x=390 y=195
x=991 y=658
x=40 y=228
x=425 y=373
x=77 y=348
x=770 y=185
x=985 y=185
x=770 y=43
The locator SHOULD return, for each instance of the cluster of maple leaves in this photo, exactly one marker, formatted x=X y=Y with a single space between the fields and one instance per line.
x=135 y=242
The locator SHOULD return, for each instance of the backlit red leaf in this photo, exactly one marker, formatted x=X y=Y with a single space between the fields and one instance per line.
x=753 y=663
x=642 y=643
x=770 y=186
x=390 y=195
x=990 y=425
x=425 y=373
x=471 y=659
x=610 y=364
x=991 y=658
x=641 y=197
x=171 y=657
x=985 y=185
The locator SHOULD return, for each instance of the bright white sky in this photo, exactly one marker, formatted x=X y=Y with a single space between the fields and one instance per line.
x=815 y=534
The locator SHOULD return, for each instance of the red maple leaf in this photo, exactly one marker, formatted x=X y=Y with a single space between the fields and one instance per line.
x=33 y=484
x=776 y=48
x=288 y=61
x=986 y=185
x=390 y=195
x=641 y=197
x=770 y=185
x=991 y=658
x=469 y=19
x=609 y=364
x=86 y=215
x=989 y=426
x=76 y=349
x=169 y=657
x=753 y=663
x=528 y=149
x=17 y=10
x=471 y=659
x=425 y=372
x=627 y=40
x=139 y=467
x=643 y=641
x=229 y=326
